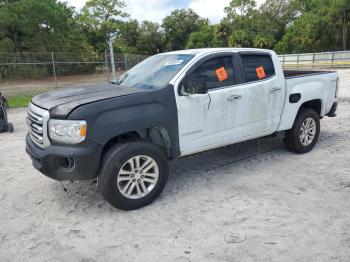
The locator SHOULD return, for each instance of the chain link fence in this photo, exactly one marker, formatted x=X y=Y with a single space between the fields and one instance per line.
x=326 y=60
x=32 y=73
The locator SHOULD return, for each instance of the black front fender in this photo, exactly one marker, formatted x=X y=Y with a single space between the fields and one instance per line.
x=112 y=117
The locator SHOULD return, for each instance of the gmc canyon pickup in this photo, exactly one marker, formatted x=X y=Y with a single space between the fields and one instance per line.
x=172 y=105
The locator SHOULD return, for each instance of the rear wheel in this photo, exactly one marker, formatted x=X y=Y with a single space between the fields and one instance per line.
x=133 y=174
x=305 y=132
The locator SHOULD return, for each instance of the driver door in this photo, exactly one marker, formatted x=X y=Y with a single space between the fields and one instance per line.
x=214 y=119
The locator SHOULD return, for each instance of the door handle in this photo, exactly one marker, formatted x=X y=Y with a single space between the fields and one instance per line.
x=275 y=89
x=234 y=97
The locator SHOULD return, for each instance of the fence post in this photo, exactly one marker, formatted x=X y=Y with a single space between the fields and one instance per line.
x=297 y=61
x=332 y=62
x=313 y=60
x=111 y=54
x=54 y=68
x=126 y=62
x=106 y=62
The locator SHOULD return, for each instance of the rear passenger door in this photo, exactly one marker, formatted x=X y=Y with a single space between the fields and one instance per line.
x=264 y=96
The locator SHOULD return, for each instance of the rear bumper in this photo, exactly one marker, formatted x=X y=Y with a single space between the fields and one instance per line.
x=334 y=108
x=66 y=162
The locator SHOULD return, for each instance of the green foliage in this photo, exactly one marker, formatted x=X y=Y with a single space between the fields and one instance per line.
x=38 y=25
x=271 y=21
x=288 y=26
x=239 y=17
x=322 y=26
x=127 y=37
x=240 y=8
x=202 y=38
x=151 y=38
x=19 y=101
x=100 y=18
x=248 y=26
x=179 y=25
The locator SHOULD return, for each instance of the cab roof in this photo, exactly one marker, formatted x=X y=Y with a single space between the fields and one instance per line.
x=211 y=50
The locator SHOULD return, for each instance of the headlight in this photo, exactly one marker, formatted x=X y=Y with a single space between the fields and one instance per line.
x=67 y=131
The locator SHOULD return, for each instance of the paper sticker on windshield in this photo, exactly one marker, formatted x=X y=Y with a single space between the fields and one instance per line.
x=221 y=74
x=174 y=62
x=260 y=71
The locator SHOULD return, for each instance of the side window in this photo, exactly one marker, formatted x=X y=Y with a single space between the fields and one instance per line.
x=216 y=72
x=257 y=67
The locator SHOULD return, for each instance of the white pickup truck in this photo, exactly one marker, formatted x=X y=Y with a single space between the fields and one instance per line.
x=172 y=105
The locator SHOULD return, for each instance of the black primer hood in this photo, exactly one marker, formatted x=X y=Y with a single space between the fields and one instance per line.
x=61 y=102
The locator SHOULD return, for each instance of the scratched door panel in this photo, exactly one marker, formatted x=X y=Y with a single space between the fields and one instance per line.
x=211 y=120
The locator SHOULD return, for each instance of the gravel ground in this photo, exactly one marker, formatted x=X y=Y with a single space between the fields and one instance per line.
x=252 y=201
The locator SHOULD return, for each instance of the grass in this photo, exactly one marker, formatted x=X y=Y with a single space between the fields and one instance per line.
x=19 y=101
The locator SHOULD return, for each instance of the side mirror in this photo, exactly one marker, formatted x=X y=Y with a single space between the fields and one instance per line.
x=194 y=87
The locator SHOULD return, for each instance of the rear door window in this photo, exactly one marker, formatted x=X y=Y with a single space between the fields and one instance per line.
x=257 y=67
x=216 y=72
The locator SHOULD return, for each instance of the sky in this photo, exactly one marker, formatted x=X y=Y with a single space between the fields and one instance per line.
x=156 y=10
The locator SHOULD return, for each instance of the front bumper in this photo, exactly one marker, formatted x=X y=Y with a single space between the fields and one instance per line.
x=77 y=162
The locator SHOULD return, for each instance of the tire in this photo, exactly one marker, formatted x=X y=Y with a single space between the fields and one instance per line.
x=3 y=125
x=116 y=172
x=10 y=128
x=299 y=141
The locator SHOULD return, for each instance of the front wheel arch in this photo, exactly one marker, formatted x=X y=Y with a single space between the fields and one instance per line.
x=158 y=136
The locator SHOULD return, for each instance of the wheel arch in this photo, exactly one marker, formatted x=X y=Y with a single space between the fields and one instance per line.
x=120 y=138
x=156 y=135
x=292 y=110
x=315 y=104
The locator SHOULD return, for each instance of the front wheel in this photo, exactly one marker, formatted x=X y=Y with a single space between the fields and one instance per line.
x=133 y=174
x=305 y=132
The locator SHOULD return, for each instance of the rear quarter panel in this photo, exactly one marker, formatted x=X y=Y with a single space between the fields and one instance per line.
x=311 y=87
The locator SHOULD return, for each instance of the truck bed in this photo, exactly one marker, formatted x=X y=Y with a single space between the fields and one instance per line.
x=303 y=73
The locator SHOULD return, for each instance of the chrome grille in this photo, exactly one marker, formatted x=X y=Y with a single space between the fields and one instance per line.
x=37 y=124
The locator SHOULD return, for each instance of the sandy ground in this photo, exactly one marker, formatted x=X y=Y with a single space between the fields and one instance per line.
x=252 y=201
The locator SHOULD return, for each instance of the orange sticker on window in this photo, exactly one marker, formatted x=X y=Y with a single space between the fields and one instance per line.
x=260 y=72
x=221 y=74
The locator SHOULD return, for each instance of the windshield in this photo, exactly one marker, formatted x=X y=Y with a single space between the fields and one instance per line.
x=155 y=72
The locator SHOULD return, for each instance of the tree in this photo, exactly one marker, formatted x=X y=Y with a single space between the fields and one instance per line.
x=271 y=21
x=102 y=17
x=178 y=26
x=288 y=26
x=239 y=16
x=322 y=25
x=127 y=37
x=222 y=33
x=38 y=25
x=202 y=38
x=342 y=10
x=310 y=33
x=240 y=7
x=151 y=38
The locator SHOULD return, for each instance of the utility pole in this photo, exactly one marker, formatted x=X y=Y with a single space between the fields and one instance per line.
x=111 y=54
